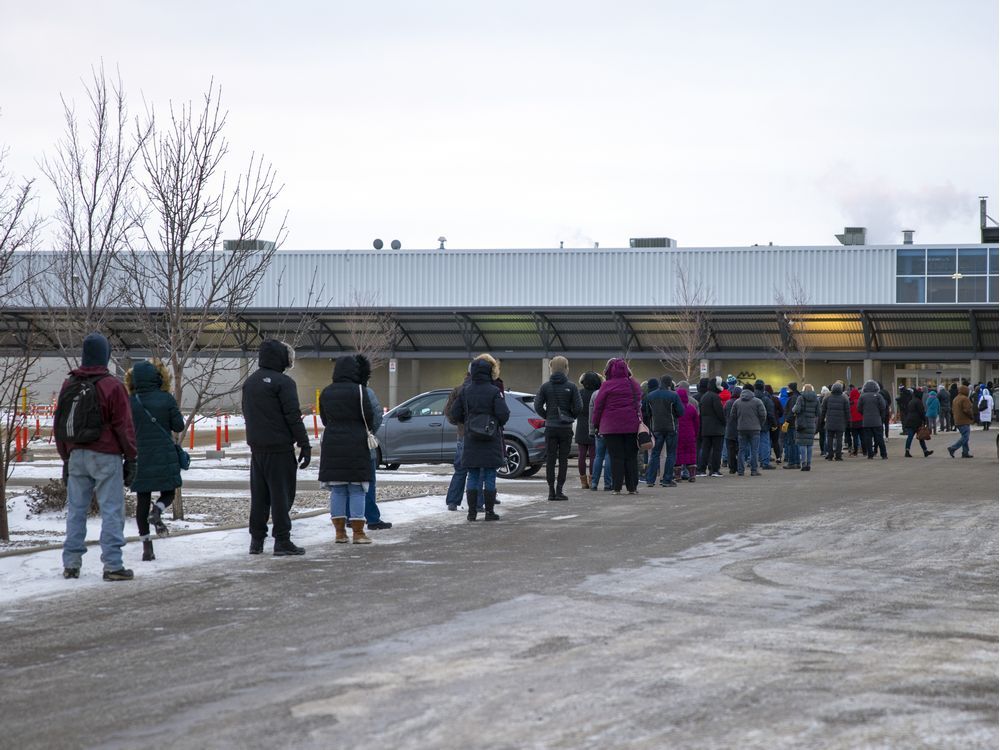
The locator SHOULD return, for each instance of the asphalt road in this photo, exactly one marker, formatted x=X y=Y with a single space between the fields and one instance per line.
x=852 y=606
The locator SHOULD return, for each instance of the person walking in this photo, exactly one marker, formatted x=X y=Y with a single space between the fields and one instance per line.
x=273 y=428
x=944 y=404
x=95 y=438
x=806 y=417
x=836 y=415
x=347 y=414
x=590 y=382
x=713 y=430
x=616 y=417
x=873 y=408
x=791 y=449
x=602 y=464
x=749 y=413
x=456 y=488
x=914 y=418
x=373 y=514
x=155 y=417
x=985 y=407
x=687 y=435
x=558 y=402
x=481 y=408
x=665 y=409
x=964 y=415
x=933 y=409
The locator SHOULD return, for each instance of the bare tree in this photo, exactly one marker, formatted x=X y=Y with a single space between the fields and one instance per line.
x=92 y=172
x=682 y=348
x=201 y=255
x=19 y=354
x=372 y=331
x=792 y=302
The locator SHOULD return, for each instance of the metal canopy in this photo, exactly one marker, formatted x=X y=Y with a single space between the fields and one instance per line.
x=890 y=332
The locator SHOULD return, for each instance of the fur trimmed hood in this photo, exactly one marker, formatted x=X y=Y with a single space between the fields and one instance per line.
x=147 y=376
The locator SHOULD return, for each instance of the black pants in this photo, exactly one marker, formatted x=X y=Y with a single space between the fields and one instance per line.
x=143 y=502
x=872 y=438
x=624 y=452
x=710 y=455
x=776 y=446
x=835 y=443
x=272 y=492
x=557 y=444
x=733 y=454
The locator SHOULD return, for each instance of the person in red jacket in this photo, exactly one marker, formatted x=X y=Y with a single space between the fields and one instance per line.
x=857 y=421
x=95 y=467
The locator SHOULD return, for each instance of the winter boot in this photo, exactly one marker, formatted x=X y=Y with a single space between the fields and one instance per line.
x=156 y=519
x=256 y=546
x=358 y=527
x=285 y=548
x=584 y=482
x=491 y=501
x=340 y=528
x=552 y=492
x=908 y=455
x=147 y=550
x=927 y=453
x=122 y=574
x=472 y=500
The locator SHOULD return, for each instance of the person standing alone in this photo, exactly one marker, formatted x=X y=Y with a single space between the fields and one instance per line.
x=558 y=402
x=274 y=427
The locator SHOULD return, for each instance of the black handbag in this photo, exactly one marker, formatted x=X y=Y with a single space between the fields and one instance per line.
x=183 y=457
x=479 y=426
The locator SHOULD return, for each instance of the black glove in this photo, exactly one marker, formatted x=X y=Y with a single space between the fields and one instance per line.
x=305 y=454
x=65 y=474
x=129 y=469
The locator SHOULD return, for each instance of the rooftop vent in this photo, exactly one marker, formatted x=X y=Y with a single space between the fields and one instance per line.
x=907 y=236
x=852 y=236
x=652 y=242
x=253 y=246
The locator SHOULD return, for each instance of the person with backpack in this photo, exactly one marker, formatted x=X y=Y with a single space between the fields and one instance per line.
x=558 y=402
x=345 y=458
x=95 y=438
x=664 y=410
x=481 y=408
x=985 y=407
x=586 y=450
x=156 y=418
x=273 y=428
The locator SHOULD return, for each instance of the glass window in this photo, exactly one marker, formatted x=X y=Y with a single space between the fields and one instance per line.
x=910 y=262
x=941 y=289
x=993 y=289
x=429 y=406
x=994 y=268
x=971 y=289
x=910 y=288
x=940 y=262
x=972 y=261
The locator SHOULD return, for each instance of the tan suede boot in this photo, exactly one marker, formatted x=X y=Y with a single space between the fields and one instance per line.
x=340 y=524
x=584 y=482
x=358 y=527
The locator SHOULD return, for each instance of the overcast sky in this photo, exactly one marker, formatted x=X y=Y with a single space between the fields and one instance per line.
x=520 y=124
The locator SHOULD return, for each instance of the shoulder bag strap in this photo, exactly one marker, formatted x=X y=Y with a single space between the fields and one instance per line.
x=361 y=400
x=152 y=418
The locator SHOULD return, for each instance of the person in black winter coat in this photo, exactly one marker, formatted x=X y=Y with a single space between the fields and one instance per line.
x=586 y=447
x=873 y=409
x=273 y=427
x=836 y=416
x=345 y=459
x=558 y=402
x=887 y=398
x=791 y=449
x=713 y=429
x=914 y=417
x=479 y=407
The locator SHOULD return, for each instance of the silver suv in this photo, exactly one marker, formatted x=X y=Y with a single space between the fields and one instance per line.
x=417 y=432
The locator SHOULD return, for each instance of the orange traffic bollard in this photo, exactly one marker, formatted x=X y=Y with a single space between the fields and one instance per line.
x=192 y=435
x=218 y=432
x=315 y=427
x=225 y=429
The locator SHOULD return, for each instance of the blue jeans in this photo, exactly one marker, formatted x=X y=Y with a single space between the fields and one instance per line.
x=910 y=433
x=666 y=442
x=91 y=472
x=347 y=500
x=791 y=449
x=372 y=513
x=764 y=447
x=807 y=452
x=749 y=443
x=482 y=480
x=601 y=463
x=457 y=486
x=963 y=439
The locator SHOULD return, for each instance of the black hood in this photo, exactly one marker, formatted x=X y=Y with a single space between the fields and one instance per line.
x=591 y=381
x=273 y=355
x=558 y=378
x=837 y=388
x=481 y=371
x=347 y=370
x=703 y=385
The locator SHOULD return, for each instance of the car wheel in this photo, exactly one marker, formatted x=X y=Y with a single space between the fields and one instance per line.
x=531 y=470
x=516 y=460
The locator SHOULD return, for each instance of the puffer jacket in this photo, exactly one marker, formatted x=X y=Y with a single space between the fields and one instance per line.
x=687 y=430
x=271 y=403
x=836 y=410
x=761 y=395
x=806 y=417
x=617 y=403
x=854 y=396
x=713 y=420
x=155 y=415
x=944 y=400
x=750 y=412
x=558 y=402
x=480 y=396
x=591 y=382
x=665 y=409
x=915 y=414
x=871 y=405
x=345 y=408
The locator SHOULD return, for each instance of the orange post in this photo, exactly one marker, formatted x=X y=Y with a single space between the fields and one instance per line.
x=18 y=454
x=192 y=434
x=225 y=423
x=315 y=427
x=218 y=432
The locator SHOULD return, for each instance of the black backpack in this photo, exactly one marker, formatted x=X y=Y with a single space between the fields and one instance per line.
x=983 y=403
x=78 y=412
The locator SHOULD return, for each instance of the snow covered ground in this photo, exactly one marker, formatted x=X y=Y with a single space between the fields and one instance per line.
x=39 y=574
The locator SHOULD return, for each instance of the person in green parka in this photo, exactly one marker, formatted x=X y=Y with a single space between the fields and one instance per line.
x=156 y=417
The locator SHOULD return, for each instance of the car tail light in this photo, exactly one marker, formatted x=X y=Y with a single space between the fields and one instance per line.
x=537 y=423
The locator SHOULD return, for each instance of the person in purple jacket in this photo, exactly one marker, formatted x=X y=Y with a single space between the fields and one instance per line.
x=616 y=417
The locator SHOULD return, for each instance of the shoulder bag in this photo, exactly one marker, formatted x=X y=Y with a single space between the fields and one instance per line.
x=923 y=432
x=644 y=437
x=479 y=426
x=183 y=457
x=372 y=440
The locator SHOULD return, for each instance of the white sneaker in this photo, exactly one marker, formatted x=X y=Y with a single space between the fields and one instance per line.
x=703 y=474
x=715 y=474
